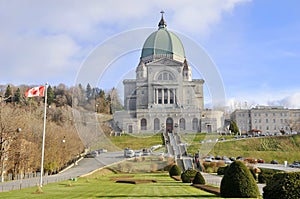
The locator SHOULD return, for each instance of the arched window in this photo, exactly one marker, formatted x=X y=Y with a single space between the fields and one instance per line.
x=156 y=124
x=195 y=124
x=165 y=76
x=182 y=124
x=143 y=124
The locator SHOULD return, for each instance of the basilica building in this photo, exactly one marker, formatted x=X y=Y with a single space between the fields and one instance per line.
x=164 y=96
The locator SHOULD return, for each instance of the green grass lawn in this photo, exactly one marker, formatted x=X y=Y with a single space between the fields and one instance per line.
x=268 y=148
x=135 y=142
x=100 y=185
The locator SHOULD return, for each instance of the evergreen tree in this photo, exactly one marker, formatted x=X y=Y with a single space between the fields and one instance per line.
x=102 y=94
x=114 y=101
x=17 y=96
x=50 y=95
x=101 y=103
x=88 y=91
x=233 y=127
x=8 y=94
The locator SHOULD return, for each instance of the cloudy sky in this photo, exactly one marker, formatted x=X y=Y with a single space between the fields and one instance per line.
x=254 y=44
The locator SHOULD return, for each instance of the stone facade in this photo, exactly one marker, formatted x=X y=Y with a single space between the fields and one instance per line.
x=267 y=119
x=163 y=97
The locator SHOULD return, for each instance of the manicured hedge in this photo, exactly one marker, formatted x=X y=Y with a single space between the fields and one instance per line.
x=188 y=175
x=221 y=170
x=238 y=182
x=283 y=186
x=199 y=179
x=266 y=175
x=175 y=170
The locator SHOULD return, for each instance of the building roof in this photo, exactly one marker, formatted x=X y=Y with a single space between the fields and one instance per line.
x=162 y=43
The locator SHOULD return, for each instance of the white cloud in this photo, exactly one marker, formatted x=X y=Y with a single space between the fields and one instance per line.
x=291 y=101
x=51 y=37
x=245 y=100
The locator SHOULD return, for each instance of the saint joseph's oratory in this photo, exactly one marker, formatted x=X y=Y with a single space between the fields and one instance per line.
x=164 y=97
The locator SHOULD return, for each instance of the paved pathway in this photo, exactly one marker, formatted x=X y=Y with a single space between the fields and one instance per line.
x=85 y=166
x=216 y=180
x=88 y=165
x=278 y=167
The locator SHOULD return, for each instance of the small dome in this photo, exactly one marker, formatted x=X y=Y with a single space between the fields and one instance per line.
x=162 y=43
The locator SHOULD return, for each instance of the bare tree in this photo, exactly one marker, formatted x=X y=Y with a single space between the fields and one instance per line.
x=10 y=125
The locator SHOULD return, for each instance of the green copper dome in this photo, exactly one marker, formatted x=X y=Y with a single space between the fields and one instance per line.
x=162 y=43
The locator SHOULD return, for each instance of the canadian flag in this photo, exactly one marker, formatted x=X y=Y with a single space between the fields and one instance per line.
x=38 y=91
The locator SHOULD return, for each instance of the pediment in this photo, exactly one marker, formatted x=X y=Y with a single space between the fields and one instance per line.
x=166 y=62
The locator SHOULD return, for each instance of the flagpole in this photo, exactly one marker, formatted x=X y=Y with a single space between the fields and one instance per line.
x=44 y=133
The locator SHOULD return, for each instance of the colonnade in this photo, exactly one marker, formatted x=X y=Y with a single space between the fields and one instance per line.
x=165 y=95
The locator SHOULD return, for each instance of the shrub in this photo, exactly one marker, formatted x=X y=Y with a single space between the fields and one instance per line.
x=188 y=175
x=198 y=179
x=175 y=170
x=283 y=186
x=222 y=170
x=211 y=167
x=238 y=182
x=266 y=175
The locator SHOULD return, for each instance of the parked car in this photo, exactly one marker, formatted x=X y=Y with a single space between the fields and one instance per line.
x=295 y=165
x=208 y=159
x=260 y=161
x=227 y=161
x=129 y=153
x=146 y=152
x=251 y=160
x=102 y=151
x=240 y=158
x=138 y=154
x=232 y=158
x=218 y=157
x=274 y=162
x=91 y=154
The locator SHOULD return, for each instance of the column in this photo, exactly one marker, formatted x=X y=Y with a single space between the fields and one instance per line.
x=157 y=96
x=175 y=96
x=162 y=96
x=154 y=96
x=168 y=96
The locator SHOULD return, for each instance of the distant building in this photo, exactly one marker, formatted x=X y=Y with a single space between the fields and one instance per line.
x=164 y=97
x=267 y=119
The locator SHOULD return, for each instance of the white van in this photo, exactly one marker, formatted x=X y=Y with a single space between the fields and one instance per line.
x=129 y=153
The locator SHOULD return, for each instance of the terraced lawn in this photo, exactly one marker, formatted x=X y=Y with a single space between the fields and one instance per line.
x=101 y=185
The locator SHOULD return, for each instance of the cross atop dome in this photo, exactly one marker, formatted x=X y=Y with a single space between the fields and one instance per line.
x=162 y=23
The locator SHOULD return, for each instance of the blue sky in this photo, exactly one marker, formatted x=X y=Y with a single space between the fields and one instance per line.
x=254 y=44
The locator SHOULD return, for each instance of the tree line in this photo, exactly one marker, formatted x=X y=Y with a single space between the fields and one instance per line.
x=89 y=98
x=21 y=126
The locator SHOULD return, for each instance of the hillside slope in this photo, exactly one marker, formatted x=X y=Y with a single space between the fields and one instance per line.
x=268 y=148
